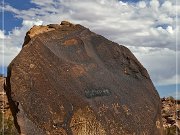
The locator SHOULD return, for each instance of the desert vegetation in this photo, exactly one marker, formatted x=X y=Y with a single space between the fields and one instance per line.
x=7 y=124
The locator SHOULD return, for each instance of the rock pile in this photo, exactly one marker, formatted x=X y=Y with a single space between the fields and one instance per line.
x=170 y=116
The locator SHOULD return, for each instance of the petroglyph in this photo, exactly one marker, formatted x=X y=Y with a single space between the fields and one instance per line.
x=91 y=93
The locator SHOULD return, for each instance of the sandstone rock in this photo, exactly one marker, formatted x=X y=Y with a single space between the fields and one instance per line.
x=66 y=23
x=68 y=80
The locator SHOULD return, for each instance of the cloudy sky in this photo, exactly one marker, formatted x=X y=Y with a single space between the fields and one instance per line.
x=149 y=28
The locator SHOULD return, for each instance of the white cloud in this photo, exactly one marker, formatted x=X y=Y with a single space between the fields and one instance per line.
x=2 y=36
x=168 y=81
x=30 y=23
x=160 y=63
x=147 y=27
x=170 y=29
x=154 y=5
x=10 y=45
x=142 y=4
x=165 y=19
x=167 y=6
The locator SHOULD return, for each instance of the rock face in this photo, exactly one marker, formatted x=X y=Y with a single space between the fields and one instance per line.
x=68 y=80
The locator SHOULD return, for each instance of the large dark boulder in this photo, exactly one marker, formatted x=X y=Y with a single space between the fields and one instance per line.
x=68 y=80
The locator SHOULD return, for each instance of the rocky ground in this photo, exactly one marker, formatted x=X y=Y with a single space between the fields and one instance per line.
x=6 y=119
x=171 y=116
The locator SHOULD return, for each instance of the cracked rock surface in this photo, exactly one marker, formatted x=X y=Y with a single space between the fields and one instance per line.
x=68 y=80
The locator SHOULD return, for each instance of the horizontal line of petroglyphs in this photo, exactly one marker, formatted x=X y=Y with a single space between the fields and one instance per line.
x=91 y=93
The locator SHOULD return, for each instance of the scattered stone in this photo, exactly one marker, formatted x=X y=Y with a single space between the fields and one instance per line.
x=170 y=111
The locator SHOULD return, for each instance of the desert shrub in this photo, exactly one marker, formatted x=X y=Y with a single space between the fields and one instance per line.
x=171 y=98
x=9 y=128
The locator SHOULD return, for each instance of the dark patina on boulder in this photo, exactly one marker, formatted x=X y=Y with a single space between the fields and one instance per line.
x=68 y=80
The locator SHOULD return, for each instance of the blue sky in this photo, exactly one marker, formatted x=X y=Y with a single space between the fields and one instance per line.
x=10 y=17
x=20 y=4
x=148 y=28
